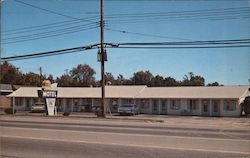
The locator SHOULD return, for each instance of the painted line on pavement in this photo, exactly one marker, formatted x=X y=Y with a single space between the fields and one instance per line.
x=127 y=145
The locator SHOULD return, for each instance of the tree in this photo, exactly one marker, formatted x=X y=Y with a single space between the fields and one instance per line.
x=109 y=78
x=213 y=84
x=83 y=75
x=142 y=78
x=32 y=79
x=157 y=81
x=65 y=81
x=192 y=80
x=51 y=78
x=120 y=80
x=9 y=74
x=170 y=82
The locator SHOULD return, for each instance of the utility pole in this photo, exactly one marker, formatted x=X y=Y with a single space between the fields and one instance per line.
x=102 y=58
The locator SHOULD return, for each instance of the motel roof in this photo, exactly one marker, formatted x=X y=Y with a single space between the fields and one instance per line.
x=234 y=92
x=195 y=92
x=84 y=92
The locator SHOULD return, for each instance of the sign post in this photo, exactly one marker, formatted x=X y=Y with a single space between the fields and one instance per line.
x=50 y=96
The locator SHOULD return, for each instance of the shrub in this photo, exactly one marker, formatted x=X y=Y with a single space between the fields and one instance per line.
x=9 y=111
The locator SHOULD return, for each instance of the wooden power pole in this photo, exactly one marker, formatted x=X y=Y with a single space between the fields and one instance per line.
x=102 y=58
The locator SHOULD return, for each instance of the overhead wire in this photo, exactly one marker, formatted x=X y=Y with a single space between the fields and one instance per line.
x=235 y=41
x=50 y=53
x=54 y=31
x=53 y=35
x=42 y=27
x=50 y=11
x=198 y=12
x=47 y=34
x=212 y=14
x=185 y=47
x=146 y=34
x=183 y=12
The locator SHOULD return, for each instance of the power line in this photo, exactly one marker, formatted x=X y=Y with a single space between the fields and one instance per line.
x=42 y=27
x=238 y=43
x=215 y=42
x=50 y=53
x=47 y=34
x=183 y=12
x=41 y=37
x=50 y=11
x=55 y=31
x=147 y=35
x=180 y=18
x=211 y=14
x=173 y=13
x=185 y=47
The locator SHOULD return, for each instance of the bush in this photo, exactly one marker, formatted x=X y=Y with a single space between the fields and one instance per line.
x=66 y=113
x=9 y=111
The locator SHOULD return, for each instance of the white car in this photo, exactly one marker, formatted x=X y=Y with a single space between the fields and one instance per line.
x=38 y=107
x=130 y=109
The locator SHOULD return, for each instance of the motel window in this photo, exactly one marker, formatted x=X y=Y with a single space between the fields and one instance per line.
x=144 y=104
x=155 y=105
x=128 y=101
x=229 y=105
x=163 y=105
x=216 y=104
x=205 y=105
x=89 y=101
x=193 y=104
x=18 y=101
x=36 y=100
x=58 y=102
x=68 y=101
x=175 y=104
x=114 y=103
x=76 y=101
x=86 y=101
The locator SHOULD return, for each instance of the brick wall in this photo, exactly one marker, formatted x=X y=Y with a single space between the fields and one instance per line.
x=5 y=102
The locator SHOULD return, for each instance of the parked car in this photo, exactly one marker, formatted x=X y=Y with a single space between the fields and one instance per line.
x=128 y=109
x=38 y=108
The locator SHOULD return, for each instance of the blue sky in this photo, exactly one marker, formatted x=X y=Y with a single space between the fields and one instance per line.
x=228 y=66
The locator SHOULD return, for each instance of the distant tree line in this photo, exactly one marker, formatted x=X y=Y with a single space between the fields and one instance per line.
x=84 y=76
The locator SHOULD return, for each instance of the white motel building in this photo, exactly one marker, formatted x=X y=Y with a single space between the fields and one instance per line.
x=202 y=101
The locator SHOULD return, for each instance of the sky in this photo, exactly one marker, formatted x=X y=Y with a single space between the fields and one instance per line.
x=228 y=66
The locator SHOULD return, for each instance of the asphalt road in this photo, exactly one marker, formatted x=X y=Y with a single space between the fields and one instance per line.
x=40 y=139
